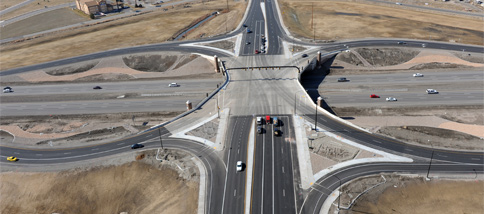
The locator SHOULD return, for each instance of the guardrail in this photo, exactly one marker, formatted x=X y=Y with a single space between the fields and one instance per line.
x=265 y=67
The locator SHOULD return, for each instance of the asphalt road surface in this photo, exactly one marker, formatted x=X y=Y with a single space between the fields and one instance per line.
x=260 y=92
x=454 y=87
x=81 y=98
x=237 y=139
x=273 y=187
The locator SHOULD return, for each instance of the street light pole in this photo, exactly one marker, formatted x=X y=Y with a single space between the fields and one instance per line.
x=161 y=142
x=430 y=164
x=316 y=118
x=339 y=195
x=218 y=108
x=431 y=157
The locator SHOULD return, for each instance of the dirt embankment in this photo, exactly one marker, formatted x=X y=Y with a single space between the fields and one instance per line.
x=77 y=130
x=377 y=56
x=143 y=186
x=428 y=136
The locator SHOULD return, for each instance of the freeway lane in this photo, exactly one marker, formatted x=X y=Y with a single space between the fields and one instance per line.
x=131 y=86
x=109 y=106
x=327 y=184
x=82 y=99
x=237 y=141
x=445 y=97
x=406 y=78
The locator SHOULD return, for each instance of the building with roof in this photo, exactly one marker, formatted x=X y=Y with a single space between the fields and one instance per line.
x=93 y=6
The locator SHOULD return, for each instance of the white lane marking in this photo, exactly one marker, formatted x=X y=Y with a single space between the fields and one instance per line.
x=273 y=183
x=282 y=151
x=284 y=192
x=442 y=155
x=37 y=155
x=235 y=192
x=409 y=150
x=149 y=135
x=66 y=153
x=376 y=141
x=475 y=158
x=283 y=169
x=238 y=151
x=95 y=149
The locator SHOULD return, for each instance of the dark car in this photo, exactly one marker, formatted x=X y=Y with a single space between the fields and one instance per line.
x=304 y=55
x=401 y=43
x=342 y=79
x=137 y=145
x=277 y=132
x=97 y=87
x=259 y=129
x=244 y=25
x=247 y=43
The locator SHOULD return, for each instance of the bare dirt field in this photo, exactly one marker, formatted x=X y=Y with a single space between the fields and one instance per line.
x=34 y=5
x=363 y=19
x=142 y=186
x=400 y=194
x=155 y=27
x=45 y=21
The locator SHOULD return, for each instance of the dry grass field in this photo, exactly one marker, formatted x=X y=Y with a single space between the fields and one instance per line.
x=4 y=4
x=50 y=20
x=155 y=27
x=134 y=187
x=35 y=5
x=334 y=20
x=423 y=197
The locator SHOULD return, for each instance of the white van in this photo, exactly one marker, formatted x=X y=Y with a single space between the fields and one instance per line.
x=259 y=120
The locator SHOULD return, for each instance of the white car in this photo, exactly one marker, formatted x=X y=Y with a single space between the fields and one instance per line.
x=432 y=91
x=7 y=90
x=391 y=99
x=173 y=84
x=418 y=75
x=239 y=166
